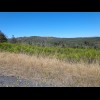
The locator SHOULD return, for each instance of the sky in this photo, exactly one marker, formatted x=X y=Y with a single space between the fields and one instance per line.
x=50 y=24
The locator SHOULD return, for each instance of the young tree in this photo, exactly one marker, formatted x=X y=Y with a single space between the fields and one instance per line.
x=13 y=40
x=3 y=38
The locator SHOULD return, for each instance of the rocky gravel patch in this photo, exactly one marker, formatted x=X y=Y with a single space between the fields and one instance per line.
x=12 y=81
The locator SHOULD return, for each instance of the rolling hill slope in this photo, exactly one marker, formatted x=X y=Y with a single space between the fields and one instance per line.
x=86 y=42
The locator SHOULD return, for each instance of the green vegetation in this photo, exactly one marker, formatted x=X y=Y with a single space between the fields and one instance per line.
x=68 y=49
x=69 y=54
x=3 y=38
x=93 y=42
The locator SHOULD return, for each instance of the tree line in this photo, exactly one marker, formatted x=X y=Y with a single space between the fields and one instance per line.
x=52 y=41
x=3 y=38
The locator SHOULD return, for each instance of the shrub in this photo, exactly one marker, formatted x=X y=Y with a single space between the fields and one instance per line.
x=67 y=54
x=3 y=38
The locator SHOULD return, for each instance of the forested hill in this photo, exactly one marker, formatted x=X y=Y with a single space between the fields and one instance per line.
x=88 y=42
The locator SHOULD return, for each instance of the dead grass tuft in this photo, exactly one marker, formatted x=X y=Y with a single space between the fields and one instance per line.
x=50 y=70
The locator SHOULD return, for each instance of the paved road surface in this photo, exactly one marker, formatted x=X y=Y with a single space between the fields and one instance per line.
x=12 y=81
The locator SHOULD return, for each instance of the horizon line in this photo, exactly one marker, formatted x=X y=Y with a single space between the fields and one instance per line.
x=58 y=36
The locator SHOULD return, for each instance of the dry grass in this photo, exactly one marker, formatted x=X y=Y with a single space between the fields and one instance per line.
x=50 y=70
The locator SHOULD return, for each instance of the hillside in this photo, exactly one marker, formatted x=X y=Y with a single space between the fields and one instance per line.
x=54 y=62
x=89 y=42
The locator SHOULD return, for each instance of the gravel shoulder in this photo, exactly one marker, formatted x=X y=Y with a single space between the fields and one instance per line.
x=12 y=81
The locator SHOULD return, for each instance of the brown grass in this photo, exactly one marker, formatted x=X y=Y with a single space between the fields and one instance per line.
x=50 y=70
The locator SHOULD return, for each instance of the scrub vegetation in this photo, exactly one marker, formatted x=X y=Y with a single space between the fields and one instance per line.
x=54 y=61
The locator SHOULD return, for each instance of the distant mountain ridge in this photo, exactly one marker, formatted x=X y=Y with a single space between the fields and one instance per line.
x=82 y=42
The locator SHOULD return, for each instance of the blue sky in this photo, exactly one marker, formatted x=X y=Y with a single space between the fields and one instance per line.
x=55 y=24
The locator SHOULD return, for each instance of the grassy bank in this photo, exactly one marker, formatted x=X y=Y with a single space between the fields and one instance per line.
x=53 y=72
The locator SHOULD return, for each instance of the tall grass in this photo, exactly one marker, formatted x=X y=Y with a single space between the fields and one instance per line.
x=68 y=54
x=50 y=72
x=52 y=66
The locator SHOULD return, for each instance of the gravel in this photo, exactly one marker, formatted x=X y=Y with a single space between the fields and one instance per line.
x=12 y=81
